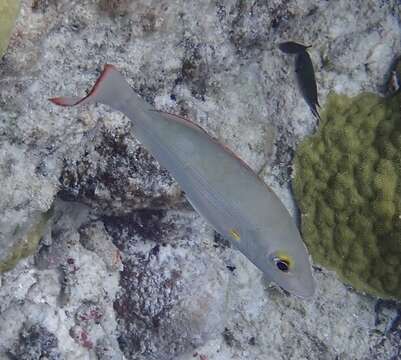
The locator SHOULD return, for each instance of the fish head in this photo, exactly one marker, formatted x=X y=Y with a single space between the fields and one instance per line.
x=290 y=47
x=284 y=259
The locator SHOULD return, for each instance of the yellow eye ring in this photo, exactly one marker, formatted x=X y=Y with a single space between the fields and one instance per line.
x=283 y=262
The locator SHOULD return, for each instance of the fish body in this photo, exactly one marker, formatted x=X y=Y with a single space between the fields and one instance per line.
x=305 y=74
x=306 y=81
x=220 y=186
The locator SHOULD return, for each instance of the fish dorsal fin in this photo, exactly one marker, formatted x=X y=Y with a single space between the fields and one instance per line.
x=187 y=122
x=181 y=119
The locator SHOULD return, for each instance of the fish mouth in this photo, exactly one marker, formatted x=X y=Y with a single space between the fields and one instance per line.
x=306 y=292
x=303 y=288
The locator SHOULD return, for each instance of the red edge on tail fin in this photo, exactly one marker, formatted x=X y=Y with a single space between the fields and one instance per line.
x=63 y=101
x=60 y=101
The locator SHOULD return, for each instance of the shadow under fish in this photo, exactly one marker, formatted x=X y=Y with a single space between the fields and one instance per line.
x=305 y=74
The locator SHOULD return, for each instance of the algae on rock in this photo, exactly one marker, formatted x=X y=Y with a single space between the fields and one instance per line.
x=27 y=244
x=9 y=10
x=348 y=187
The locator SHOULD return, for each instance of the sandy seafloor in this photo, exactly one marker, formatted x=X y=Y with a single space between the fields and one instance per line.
x=126 y=269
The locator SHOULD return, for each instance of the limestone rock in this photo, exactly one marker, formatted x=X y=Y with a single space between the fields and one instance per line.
x=9 y=10
x=217 y=63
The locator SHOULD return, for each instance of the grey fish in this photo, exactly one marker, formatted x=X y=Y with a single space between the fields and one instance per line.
x=290 y=47
x=220 y=186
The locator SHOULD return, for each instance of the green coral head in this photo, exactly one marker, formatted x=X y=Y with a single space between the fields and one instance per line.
x=348 y=187
x=9 y=10
x=27 y=243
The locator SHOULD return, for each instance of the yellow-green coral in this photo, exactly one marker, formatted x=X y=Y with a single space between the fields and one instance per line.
x=9 y=10
x=348 y=187
x=27 y=244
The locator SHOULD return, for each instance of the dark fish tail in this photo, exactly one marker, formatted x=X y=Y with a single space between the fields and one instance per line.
x=315 y=113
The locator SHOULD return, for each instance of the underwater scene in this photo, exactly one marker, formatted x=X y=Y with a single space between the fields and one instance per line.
x=200 y=180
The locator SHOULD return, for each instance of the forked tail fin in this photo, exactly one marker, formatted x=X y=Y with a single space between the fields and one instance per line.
x=110 y=88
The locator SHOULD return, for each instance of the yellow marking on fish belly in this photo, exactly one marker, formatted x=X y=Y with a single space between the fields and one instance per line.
x=235 y=234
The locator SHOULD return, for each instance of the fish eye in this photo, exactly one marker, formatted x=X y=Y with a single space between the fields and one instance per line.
x=283 y=263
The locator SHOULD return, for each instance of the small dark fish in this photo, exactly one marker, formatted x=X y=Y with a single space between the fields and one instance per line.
x=291 y=47
x=304 y=73
x=307 y=82
x=394 y=82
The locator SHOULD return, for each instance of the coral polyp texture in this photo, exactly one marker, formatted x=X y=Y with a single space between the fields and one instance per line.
x=9 y=10
x=348 y=187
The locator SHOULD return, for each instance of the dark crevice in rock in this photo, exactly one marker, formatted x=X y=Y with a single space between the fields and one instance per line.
x=114 y=178
x=35 y=342
x=145 y=225
x=284 y=154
